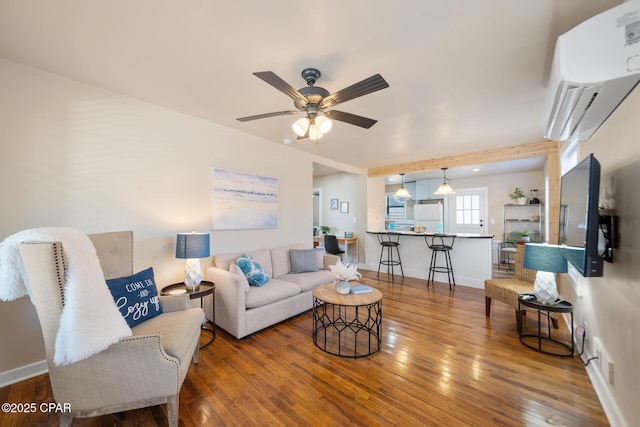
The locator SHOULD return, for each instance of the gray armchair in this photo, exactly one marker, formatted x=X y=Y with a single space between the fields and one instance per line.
x=145 y=369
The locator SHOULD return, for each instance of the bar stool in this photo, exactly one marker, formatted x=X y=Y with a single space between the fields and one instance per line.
x=439 y=244
x=388 y=241
x=506 y=250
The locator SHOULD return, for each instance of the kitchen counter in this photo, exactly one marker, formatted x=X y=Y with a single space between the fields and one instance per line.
x=458 y=235
x=471 y=256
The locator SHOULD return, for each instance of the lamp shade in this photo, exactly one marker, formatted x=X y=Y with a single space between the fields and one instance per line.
x=544 y=257
x=301 y=126
x=192 y=245
x=402 y=192
x=444 y=188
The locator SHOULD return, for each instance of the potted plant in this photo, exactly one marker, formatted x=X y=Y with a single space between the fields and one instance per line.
x=325 y=229
x=518 y=196
x=526 y=236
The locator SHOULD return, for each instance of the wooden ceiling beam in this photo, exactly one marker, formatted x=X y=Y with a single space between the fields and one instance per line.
x=502 y=154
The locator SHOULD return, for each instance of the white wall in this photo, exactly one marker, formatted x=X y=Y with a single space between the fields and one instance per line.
x=611 y=304
x=75 y=155
x=499 y=187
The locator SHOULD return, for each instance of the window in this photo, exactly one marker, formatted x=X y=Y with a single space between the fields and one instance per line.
x=395 y=207
x=468 y=210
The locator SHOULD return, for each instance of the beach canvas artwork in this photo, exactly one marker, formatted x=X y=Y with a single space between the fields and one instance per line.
x=244 y=201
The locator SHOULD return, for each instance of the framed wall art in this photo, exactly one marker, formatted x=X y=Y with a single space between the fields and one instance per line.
x=334 y=204
x=344 y=207
x=243 y=200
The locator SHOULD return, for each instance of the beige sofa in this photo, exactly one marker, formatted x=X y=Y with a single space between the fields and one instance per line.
x=242 y=309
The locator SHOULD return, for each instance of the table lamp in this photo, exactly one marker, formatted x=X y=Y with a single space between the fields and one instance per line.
x=548 y=260
x=192 y=246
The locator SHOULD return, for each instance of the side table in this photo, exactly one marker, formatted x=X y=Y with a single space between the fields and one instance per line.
x=205 y=288
x=347 y=325
x=560 y=306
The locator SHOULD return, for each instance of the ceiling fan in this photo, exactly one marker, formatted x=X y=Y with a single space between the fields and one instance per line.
x=314 y=100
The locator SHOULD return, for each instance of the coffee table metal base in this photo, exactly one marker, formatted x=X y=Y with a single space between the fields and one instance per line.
x=347 y=330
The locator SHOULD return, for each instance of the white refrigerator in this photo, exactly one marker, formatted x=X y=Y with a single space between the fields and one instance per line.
x=429 y=215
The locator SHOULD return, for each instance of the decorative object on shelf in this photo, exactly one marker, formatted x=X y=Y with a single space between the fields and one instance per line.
x=547 y=260
x=344 y=207
x=444 y=188
x=402 y=192
x=534 y=197
x=325 y=229
x=192 y=246
x=348 y=234
x=518 y=196
x=334 y=204
x=526 y=236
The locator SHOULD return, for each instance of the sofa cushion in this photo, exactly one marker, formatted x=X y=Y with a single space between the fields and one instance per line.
x=308 y=281
x=275 y=290
x=136 y=296
x=303 y=260
x=280 y=259
x=263 y=257
x=253 y=271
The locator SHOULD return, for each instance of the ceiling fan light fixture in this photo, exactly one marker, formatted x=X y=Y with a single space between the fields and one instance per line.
x=323 y=124
x=402 y=192
x=315 y=133
x=301 y=126
x=444 y=188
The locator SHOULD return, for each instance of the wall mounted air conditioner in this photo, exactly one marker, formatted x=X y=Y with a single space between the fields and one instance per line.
x=595 y=66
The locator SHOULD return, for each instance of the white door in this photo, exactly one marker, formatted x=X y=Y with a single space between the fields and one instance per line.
x=469 y=208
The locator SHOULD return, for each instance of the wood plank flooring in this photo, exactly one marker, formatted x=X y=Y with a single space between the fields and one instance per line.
x=442 y=363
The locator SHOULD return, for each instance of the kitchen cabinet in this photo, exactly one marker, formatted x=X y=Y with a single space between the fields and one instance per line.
x=411 y=188
x=518 y=218
x=426 y=187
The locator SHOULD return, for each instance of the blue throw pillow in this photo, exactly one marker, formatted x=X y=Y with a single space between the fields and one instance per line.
x=252 y=270
x=136 y=296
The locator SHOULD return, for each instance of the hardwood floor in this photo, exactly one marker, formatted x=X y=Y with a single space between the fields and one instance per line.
x=442 y=363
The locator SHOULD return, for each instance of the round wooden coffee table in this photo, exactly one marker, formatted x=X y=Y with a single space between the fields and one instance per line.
x=347 y=325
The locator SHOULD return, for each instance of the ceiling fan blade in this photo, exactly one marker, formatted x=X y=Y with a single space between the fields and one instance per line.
x=284 y=87
x=352 y=119
x=366 y=86
x=264 y=116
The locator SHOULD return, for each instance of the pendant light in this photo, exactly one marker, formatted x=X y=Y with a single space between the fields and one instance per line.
x=402 y=192
x=444 y=188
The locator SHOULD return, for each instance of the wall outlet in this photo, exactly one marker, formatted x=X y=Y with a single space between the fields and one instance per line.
x=605 y=365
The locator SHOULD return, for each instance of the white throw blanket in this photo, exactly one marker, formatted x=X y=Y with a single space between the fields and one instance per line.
x=90 y=321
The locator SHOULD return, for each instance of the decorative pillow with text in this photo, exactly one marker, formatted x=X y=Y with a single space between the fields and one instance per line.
x=136 y=296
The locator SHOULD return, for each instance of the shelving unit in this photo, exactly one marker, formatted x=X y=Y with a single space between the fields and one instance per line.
x=518 y=218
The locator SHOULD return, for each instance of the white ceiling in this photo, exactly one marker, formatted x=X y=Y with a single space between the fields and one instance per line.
x=464 y=75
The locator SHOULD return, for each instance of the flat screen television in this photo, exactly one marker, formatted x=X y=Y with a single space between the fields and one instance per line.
x=579 y=219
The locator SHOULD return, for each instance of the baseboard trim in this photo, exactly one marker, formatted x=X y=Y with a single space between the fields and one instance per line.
x=23 y=373
x=600 y=386
x=604 y=395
